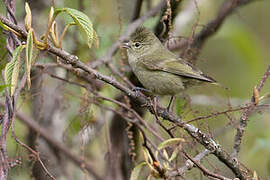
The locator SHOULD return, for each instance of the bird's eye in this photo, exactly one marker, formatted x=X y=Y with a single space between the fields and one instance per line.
x=137 y=44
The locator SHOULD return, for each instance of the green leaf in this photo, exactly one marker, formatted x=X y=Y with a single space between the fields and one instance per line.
x=147 y=157
x=2 y=87
x=29 y=54
x=170 y=142
x=3 y=50
x=3 y=26
x=135 y=174
x=82 y=21
x=174 y=154
x=12 y=70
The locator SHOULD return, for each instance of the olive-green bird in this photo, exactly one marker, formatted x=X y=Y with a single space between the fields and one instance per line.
x=159 y=70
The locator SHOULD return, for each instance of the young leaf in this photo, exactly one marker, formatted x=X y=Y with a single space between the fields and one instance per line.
x=3 y=26
x=12 y=70
x=165 y=163
x=174 y=154
x=256 y=95
x=170 y=142
x=29 y=53
x=51 y=15
x=135 y=174
x=82 y=21
x=28 y=17
x=147 y=157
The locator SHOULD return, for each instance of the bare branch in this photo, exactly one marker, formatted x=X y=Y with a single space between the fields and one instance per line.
x=204 y=170
x=188 y=165
x=245 y=115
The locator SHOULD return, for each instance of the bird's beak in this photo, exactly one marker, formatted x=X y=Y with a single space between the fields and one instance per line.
x=126 y=45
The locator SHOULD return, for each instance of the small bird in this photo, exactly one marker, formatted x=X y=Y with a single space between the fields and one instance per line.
x=160 y=71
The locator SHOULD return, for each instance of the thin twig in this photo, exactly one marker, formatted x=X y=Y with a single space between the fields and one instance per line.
x=188 y=165
x=204 y=170
x=245 y=115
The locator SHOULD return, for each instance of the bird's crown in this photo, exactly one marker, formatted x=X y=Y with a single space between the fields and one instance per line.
x=142 y=35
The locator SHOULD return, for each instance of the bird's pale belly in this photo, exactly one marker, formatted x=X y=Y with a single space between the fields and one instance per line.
x=161 y=83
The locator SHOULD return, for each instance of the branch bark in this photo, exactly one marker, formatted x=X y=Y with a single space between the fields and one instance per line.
x=245 y=115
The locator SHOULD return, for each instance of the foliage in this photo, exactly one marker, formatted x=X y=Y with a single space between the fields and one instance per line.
x=12 y=70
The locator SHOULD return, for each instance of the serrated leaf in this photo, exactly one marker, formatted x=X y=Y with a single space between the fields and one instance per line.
x=82 y=20
x=28 y=17
x=135 y=174
x=29 y=54
x=12 y=70
x=170 y=142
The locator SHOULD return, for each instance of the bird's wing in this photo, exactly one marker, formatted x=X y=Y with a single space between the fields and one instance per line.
x=177 y=67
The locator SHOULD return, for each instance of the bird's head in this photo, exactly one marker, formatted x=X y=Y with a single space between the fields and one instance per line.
x=141 y=42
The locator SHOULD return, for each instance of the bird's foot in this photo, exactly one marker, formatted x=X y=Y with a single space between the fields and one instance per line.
x=170 y=103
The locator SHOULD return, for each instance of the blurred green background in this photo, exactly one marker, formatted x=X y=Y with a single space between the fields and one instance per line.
x=236 y=56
